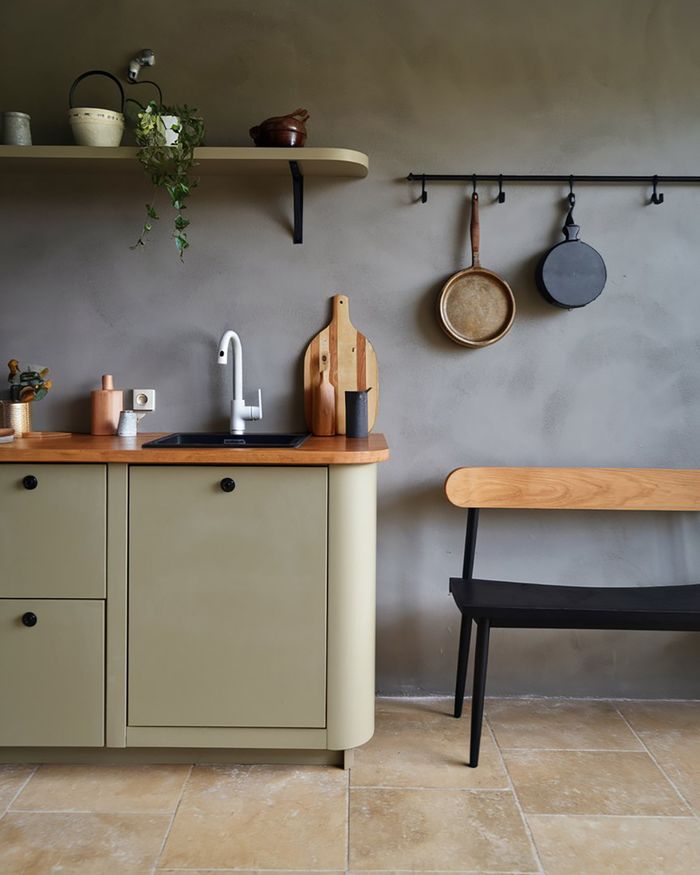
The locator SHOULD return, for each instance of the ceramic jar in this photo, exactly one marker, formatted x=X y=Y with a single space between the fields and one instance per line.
x=16 y=130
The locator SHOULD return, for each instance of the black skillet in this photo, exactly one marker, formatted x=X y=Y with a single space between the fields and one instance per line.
x=571 y=274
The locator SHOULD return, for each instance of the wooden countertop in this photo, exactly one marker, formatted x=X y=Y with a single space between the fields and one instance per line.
x=337 y=450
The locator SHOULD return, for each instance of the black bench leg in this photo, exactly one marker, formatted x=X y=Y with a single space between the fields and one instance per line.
x=465 y=634
x=483 y=628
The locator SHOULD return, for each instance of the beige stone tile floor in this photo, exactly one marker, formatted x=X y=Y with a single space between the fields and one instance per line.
x=564 y=787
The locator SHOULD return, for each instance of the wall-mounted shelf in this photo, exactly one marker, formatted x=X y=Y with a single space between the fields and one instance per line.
x=234 y=160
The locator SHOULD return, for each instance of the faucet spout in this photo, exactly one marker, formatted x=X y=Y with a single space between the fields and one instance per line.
x=240 y=411
x=228 y=338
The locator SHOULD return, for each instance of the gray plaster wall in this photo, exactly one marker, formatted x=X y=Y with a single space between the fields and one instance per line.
x=602 y=86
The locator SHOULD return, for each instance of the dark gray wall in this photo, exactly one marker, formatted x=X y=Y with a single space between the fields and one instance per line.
x=601 y=86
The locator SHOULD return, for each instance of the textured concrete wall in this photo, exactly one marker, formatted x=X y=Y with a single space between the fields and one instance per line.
x=602 y=86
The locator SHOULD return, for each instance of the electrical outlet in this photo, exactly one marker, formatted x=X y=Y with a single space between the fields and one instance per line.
x=143 y=399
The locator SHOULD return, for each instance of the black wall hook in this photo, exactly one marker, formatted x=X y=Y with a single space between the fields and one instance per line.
x=473 y=183
x=501 y=193
x=572 y=196
x=423 y=192
x=655 y=197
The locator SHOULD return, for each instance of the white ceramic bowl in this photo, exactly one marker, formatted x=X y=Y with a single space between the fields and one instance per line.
x=96 y=127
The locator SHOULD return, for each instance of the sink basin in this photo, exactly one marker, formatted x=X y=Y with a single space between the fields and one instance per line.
x=224 y=440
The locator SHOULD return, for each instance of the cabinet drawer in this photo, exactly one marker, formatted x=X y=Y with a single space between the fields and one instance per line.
x=227 y=596
x=52 y=537
x=51 y=673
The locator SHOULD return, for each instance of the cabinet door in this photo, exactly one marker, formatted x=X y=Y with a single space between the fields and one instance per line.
x=51 y=673
x=227 y=596
x=52 y=537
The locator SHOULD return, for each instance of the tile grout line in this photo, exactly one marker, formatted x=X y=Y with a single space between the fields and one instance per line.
x=108 y=811
x=172 y=819
x=312 y=871
x=574 y=749
x=449 y=697
x=21 y=787
x=592 y=816
x=656 y=763
x=440 y=787
x=518 y=805
x=359 y=871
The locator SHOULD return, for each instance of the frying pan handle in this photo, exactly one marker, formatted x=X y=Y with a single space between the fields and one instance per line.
x=571 y=229
x=475 y=230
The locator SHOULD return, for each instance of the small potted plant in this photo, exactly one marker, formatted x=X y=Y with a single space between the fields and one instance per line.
x=168 y=136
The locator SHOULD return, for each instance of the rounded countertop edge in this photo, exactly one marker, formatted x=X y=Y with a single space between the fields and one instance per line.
x=85 y=448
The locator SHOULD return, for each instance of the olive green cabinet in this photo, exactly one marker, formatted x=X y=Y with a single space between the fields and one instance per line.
x=52 y=672
x=52 y=590
x=227 y=596
x=52 y=537
x=180 y=606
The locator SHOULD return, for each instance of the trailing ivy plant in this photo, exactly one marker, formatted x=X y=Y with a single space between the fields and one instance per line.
x=168 y=167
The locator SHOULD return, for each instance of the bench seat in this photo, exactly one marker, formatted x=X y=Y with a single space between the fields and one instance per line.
x=511 y=604
x=541 y=606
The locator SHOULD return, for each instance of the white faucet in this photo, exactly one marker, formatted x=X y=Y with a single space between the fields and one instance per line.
x=240 y=411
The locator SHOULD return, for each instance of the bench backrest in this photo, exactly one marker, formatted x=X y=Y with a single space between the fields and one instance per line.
x=575 y=488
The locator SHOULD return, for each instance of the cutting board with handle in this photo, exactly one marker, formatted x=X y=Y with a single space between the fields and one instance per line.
x=352 y=365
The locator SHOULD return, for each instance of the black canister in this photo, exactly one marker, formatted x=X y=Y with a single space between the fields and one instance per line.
x=356 y=417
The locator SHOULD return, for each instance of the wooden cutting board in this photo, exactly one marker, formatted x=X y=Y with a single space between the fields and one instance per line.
x=353 y=364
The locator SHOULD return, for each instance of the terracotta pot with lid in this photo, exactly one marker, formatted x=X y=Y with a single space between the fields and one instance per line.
x=282 y=130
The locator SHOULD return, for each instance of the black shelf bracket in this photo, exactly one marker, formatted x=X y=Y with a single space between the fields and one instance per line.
x=651 y=179
x=298 y=191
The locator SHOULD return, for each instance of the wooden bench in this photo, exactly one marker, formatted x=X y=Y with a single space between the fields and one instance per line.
x=494 y=603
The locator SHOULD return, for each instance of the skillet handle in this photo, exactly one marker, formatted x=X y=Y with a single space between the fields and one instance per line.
x=475 y=230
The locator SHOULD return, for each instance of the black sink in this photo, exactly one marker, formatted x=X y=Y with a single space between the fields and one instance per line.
x=224 y=440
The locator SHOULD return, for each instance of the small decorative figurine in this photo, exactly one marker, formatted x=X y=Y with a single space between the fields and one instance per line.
x=28 y=384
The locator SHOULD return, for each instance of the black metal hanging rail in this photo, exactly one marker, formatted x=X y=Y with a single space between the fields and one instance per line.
x=571 y=180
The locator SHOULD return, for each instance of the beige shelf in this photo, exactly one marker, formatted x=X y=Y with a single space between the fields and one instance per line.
x=243 y=160
x=228 y=160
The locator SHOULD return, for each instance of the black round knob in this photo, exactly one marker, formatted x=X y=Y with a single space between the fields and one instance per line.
x=228 y=485
x=29 y=619
x=30 y=482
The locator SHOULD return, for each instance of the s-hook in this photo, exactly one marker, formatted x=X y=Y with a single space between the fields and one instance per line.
x=423 y=192
x=473 y=183
x=655 y=197
x=572 y=196
x=501 y=193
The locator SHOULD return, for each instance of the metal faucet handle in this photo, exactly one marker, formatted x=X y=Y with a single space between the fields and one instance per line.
x=257 y=411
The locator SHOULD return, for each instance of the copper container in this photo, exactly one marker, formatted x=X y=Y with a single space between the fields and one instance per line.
x=17 y=415
x=282 y=130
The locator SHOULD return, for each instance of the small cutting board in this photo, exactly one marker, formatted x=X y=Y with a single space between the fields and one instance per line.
x=353 y=365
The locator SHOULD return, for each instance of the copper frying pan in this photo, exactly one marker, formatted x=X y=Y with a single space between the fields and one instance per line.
x=476 y=306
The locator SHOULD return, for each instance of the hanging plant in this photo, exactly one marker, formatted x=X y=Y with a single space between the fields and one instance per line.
x=168 y=136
